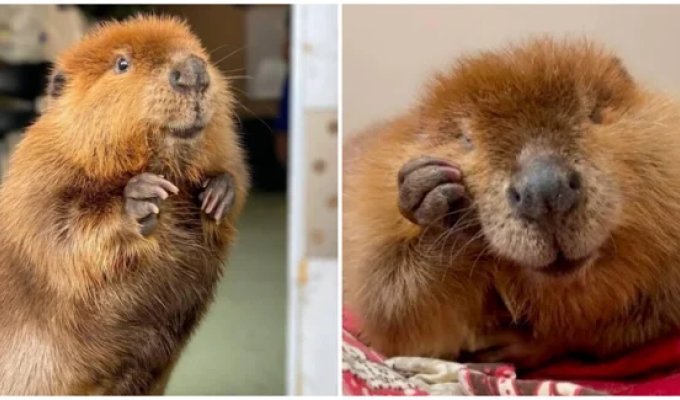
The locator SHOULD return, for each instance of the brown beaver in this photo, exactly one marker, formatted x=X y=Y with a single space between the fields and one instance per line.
x=563 y=173
x=117 y=212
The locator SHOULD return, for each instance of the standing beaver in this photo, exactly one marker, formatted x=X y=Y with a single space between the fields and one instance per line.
x=117 y=212
x=543 y=176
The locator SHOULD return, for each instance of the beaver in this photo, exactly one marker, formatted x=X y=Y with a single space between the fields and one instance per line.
x=568 y=168
x=117 y=212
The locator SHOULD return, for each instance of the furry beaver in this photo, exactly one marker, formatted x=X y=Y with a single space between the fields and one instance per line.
x=560 y=169
x=117 y=213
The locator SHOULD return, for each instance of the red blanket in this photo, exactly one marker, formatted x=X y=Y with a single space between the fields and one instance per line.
x=651 y=370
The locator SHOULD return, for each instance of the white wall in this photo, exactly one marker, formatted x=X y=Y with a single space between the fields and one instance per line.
x=390 y=51
x=313 y=291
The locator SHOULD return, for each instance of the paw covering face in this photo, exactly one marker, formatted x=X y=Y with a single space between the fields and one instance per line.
x=530 y=118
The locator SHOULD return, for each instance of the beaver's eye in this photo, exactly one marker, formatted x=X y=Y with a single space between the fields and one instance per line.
x=122 y=64
x=595 y=115
x=465 y=140
x=463 y=134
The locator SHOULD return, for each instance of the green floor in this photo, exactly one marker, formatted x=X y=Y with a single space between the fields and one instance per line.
x=239 y=348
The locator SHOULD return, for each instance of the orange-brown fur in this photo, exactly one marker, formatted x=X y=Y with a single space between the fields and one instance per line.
x=400 y=279
x=89 y=305
x=571 y=98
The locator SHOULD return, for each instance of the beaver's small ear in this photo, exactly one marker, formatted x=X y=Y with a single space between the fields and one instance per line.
x=621 y=70
x=56 y=84
x=613 y=90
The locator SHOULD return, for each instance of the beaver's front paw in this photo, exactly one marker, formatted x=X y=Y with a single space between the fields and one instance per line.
x=520 y=349
x=143 y=194
x=431 y=192
x=218 y=196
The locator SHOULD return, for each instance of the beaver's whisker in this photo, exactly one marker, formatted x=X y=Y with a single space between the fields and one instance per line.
x=237 y=77
x=230 y=54
x=218 y=48
x=232 y=71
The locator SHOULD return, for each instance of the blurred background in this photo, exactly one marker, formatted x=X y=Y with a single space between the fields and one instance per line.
x=266 y=317
x=385 y=69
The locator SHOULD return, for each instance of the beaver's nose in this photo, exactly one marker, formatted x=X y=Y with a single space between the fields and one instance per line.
x=190 y=74
x=545 y=186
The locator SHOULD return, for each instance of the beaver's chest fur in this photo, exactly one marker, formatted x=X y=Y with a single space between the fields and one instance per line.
x=134 y=321
x=150 y=318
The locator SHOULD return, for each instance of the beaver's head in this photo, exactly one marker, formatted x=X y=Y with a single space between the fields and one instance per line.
x=147 y=74
x=527 y=125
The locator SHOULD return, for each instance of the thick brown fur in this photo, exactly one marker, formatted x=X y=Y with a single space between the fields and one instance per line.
x=89 y=305
x=568 y=98
x=417 y=291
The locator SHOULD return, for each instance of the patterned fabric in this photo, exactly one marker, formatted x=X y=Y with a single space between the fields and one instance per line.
x=366 y=373
x=653 y=369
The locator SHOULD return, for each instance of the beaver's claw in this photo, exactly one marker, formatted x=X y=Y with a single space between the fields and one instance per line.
x=218 y=196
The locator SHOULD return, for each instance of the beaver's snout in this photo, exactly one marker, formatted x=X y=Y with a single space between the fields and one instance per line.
x=191 y=74
x=543 y=188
